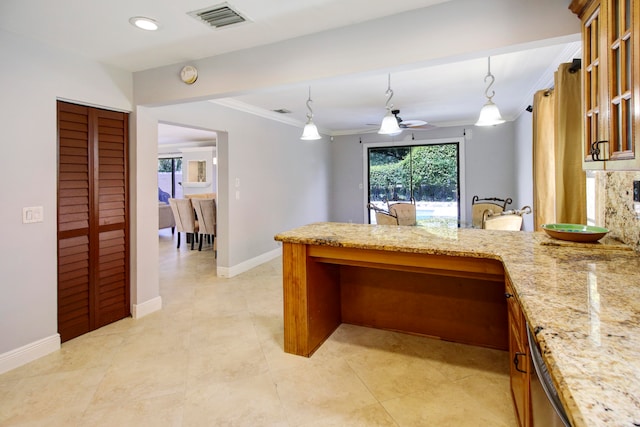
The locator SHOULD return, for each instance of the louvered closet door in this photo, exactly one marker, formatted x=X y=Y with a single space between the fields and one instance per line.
x=93 y=266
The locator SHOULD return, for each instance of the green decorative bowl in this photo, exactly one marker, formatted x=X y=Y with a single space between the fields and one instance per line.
x=575 y=232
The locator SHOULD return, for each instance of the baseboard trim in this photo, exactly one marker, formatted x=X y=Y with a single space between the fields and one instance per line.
x=248 y=264
x=147 y=307
x=28 y=353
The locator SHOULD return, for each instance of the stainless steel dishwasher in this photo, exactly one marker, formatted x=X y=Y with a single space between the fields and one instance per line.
x=546 y=408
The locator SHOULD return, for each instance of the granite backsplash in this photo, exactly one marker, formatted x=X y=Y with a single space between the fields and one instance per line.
x=615 y=206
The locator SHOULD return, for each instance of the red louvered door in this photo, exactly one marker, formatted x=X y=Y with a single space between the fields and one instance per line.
x=93 y=220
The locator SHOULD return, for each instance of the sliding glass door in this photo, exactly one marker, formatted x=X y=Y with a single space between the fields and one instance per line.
x=169 y=179
x=427 y=175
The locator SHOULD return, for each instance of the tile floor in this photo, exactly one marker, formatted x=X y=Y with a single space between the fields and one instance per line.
x=213 y=357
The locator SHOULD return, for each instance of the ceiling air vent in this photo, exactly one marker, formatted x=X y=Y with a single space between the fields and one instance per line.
x=282 y=111
x=218 y=16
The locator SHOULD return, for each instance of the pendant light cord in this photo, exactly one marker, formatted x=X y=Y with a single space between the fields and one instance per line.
x=493 y=79
x=389 y=94
x=309 y=101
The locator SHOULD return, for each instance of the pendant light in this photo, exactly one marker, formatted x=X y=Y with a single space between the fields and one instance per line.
x=310 y=131
x=389 y=125
x=489 y=115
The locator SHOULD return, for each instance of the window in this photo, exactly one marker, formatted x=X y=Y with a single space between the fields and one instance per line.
x=427 y=173
x=169 y=179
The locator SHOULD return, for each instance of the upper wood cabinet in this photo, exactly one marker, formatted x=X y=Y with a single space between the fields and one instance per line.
x=611 y=82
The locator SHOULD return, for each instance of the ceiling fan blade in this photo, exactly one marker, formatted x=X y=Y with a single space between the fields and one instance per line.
x=413 y=123
x=423 y=127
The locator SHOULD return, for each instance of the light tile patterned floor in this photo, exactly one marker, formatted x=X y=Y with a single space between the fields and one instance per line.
x=213 y=357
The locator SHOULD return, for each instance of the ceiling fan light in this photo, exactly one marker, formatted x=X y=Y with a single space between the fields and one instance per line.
x=389 y=125
x=489 y=115
x=310 y=132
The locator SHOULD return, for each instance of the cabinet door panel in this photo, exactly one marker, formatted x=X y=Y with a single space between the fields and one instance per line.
x=519 y=359
x=93 y=259
x=611 y=82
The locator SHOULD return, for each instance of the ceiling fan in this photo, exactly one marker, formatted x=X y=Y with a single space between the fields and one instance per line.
x=411 y=124
x=408 y=124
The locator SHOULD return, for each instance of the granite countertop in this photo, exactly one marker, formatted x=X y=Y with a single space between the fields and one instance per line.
x=585 y=297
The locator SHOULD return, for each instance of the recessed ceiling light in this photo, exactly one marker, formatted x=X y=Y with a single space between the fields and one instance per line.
x=144 y=23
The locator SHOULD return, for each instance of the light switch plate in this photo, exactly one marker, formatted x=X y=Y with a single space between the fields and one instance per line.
x=32 y=214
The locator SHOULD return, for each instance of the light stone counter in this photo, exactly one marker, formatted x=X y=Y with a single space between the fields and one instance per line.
x=585 y=297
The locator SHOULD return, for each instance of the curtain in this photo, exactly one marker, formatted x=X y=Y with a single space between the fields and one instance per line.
x=544 y=171
x=559 y=183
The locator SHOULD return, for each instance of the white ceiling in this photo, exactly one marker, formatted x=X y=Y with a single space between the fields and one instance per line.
x=443 y=95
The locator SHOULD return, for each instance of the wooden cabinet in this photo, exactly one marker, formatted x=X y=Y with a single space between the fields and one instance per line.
x=520 y=358
x=611 y=83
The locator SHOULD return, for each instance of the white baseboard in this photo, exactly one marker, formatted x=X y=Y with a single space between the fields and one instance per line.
x=147 y=307
x=30 y=352
x=249 y=264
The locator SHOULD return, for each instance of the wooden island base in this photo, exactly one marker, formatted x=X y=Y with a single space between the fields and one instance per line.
x=458 y=299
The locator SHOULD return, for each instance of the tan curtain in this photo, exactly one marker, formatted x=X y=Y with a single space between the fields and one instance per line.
x=544 y=171
x=571 y=180
x=559 y=183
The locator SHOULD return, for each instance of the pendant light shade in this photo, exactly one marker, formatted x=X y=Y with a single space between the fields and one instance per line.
x=489 y=114
x=310 y=131
x=389 y=125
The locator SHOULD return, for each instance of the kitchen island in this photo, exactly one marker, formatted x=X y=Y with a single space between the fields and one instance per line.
x=583 y=299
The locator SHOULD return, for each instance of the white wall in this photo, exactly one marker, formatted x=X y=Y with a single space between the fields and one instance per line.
x=489 y=166
x=523 y=161
x=269 y=180
x=459 y=29
x=143 y=202
x=284 y=183
x=28 y=253
x=205 y=154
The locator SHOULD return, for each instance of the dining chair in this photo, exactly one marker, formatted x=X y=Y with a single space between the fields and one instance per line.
x=405 y=212
x=479 y=206
x=200 y=196
x=185 y=218
x=206 y=213
x=499 y=221
x=505 y=220
x=383 y=218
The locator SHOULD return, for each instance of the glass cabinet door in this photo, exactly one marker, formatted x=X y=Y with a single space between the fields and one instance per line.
x=619 y=44
x=594 y=130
